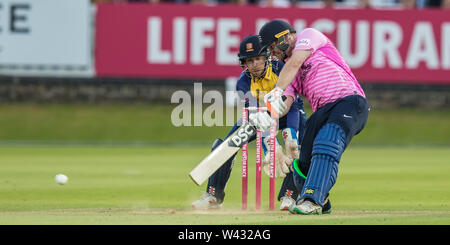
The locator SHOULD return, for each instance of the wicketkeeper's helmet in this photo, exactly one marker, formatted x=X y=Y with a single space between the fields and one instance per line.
x=251 y=47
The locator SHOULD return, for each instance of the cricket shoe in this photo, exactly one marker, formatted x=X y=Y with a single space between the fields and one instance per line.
x=286 y=202
x=305 y=207
x=208 y=201
x=326 y=209
x=309 y=207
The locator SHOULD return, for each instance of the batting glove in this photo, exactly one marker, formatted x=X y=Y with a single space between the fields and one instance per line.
x=274 y=102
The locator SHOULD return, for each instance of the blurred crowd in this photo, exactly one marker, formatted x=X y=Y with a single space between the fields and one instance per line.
x=407 y=4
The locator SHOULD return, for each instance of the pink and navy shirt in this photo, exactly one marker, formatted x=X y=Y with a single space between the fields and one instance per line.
x=324 y=77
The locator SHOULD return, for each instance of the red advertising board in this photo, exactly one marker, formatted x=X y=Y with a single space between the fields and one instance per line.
x=201 y=42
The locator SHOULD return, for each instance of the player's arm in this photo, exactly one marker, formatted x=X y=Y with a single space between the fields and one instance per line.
x=273 y=99
x=290 y=69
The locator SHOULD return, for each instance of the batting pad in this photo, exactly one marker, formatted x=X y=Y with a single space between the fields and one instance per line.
x=327 y=151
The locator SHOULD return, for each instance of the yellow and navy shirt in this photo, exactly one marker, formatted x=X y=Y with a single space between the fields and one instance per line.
x=247 y=83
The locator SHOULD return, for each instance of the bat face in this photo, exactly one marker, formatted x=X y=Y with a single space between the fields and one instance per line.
x=222 y=153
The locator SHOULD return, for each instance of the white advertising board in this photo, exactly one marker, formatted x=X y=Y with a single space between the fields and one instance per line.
x=45 y=36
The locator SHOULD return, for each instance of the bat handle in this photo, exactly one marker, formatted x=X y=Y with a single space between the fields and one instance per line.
x=271 y=111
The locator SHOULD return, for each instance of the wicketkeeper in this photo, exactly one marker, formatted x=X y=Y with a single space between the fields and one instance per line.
x=259 y=76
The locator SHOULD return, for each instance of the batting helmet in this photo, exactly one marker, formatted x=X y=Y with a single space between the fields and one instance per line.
x=273 y=30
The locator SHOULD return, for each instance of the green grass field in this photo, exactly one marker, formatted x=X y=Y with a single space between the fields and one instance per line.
x=146 y=123
x=124 y=168
x=149 y=185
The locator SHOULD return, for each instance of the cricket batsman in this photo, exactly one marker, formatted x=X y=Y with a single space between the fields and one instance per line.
x=259 y=76
x=316 y=70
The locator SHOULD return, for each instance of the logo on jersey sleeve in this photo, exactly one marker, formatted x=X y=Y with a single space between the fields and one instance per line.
x=305 y=42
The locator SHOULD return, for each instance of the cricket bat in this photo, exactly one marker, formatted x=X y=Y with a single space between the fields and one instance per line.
x=222 y=153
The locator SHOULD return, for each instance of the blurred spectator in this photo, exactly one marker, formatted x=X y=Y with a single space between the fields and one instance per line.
x=253 y=1
x=422 y=4
x=198 y=1
x=328 y=3
x=274 y=3
x=144 y=1
x=107 y=1
x=309 y=3
x=240 y=2
x=446 y=4
x=336 y=3
x=364 y=4
x=407 y=4
x=379 y=3
x=127 y=1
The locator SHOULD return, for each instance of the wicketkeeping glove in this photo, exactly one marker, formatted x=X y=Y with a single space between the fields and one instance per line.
x=261 y=120
x=282 y=162
x=291 y=143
